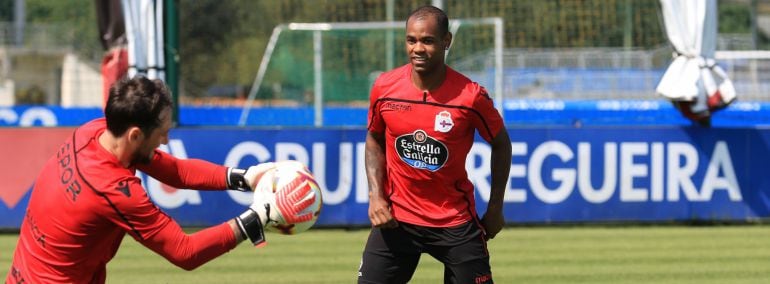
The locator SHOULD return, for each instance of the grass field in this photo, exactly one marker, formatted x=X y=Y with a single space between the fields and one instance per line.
x=665 y=254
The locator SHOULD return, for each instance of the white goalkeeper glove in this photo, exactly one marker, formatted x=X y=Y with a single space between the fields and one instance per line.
x=287 y=205
x=246 y=180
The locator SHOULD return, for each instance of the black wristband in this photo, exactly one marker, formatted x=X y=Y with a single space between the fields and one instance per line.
x=236 y=181
x=251 y=226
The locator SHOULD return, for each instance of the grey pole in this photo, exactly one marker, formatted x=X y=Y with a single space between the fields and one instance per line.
x=19 y=17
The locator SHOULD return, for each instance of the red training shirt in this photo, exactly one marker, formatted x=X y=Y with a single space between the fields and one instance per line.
x=427 y=138
x=85 y=201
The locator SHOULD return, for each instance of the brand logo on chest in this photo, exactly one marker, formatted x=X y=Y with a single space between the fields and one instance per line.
x=421 y=151
x=397 y=106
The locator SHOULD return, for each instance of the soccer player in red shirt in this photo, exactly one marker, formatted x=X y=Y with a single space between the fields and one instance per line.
x=87 y=197
x=422 y=121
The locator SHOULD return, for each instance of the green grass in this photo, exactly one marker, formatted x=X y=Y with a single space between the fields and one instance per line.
x=666 y=254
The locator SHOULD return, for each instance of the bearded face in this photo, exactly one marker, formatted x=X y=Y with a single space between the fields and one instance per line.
x=146 y=150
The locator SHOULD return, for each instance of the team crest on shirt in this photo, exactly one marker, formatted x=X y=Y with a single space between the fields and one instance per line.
x=421 y=151
x=444 y=122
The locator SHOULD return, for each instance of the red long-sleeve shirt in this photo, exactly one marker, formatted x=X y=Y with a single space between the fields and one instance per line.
x=84 y=202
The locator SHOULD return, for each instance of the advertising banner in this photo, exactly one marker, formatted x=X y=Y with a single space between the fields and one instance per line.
x=589 y=174
x=521 y=112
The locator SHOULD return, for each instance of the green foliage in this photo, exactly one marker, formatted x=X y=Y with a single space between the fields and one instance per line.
x=569 y=23
x=77 y=18
x=734 y=18
x=6 y=10
x=207 y=33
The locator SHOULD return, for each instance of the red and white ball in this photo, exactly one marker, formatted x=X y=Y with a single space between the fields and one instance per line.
x=284 y=173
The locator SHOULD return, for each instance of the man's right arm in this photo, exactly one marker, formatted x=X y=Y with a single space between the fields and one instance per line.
x=186 y=173
x=200 y=174
x=379 y=207
x=136 y=214
x=163 y=235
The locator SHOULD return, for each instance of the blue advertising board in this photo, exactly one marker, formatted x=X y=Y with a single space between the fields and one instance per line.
x=517 y=112
x=558 y=174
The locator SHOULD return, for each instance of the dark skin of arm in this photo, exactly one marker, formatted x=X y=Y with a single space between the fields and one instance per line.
x=379 y=207
x=493 y=220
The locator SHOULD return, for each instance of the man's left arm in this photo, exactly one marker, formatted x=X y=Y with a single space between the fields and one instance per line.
x=493 y=219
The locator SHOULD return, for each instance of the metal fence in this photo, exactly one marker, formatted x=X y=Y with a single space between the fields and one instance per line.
x=37 y=36
x=609 y=73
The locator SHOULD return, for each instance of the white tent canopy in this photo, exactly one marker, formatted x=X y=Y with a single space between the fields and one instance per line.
x=693 y=76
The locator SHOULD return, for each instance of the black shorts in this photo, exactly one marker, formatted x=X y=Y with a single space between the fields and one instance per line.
x=391 y=255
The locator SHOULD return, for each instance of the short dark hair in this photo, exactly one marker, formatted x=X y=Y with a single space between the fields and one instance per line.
x=434 y=12
x=136 y=102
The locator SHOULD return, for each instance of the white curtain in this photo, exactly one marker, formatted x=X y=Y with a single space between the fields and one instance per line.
x=144 y=33
x=694 y=76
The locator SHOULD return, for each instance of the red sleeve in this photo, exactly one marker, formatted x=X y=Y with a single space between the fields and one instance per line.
x=146 y=223
x=375 y=123
x=194 y=250
x=489 y=122
x=186 y=173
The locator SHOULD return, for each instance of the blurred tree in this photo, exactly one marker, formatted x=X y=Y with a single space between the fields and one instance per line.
x=208 y=30
x=6 y=10
x=734 y=18
x=77 y=17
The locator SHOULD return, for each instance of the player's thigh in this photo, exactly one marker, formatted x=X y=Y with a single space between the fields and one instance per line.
x=389 y=257
x=465 y=263
x=472 y=271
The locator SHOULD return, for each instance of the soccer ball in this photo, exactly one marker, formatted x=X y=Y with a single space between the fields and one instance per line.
x=285 y=172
